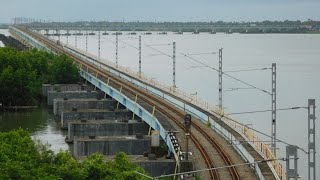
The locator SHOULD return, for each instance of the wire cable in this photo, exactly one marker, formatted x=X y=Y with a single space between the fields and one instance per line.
x=263 y=133
x=158 y=44
x=195 y=54
x=245 y=70
x=268 y=110
x=158 y=51
x=237 y=79
x=129 y=44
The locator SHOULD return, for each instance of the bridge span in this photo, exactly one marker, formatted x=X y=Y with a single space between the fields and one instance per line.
x=216 y=140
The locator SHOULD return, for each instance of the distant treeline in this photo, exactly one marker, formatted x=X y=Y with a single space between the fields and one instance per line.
x=309 y=26
x=22 y=74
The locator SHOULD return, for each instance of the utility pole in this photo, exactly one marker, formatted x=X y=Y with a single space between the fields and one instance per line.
x=67 y=35
x=58 y=32
x=117 y=49
x=99 y=41
x=140 y=56
x=292 y=155
x=76 y=39
x=87 y=41
x=311 y=139
x=174 y=64
x=274 y=109
x=220 y=78
x=187 y=123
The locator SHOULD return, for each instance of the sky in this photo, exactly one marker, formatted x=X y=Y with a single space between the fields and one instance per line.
x=160 y=10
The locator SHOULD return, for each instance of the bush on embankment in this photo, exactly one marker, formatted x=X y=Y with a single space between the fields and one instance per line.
x=22 y=74
x=23 y=158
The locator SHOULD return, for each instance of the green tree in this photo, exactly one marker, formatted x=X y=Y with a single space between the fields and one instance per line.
x=23 y=72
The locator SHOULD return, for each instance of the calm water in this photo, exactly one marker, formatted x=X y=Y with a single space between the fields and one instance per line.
x=40 y=123
x=298 y=77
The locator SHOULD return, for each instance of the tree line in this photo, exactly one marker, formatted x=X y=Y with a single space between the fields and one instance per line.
x=23 y=158
x=22 y=74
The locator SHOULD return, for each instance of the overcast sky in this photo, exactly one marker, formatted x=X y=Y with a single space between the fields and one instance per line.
x=161 y=10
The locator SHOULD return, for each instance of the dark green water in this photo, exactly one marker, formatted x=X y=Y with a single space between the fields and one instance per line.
x=40 y=122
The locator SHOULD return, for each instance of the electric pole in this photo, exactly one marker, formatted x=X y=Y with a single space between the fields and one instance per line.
x=174 y=65
x=311 y=139
x=140 y=56
x=220 y=78
x=274 y=109
x=99 y=41
x=117 y=49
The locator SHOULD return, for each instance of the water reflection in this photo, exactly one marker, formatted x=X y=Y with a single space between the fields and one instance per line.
x=40 y=122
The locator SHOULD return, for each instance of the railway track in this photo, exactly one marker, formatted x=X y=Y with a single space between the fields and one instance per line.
x=168 y=110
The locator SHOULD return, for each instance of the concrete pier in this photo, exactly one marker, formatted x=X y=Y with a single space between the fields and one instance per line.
x=72 y=95
x=157 y=167
x=94 y=115
x=131 y=145
x=162 y=166
x=60 y=105
x=64 y=87
x=105 y=128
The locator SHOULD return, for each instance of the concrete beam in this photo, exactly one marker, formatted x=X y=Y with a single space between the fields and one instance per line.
x=72 y=95
x=94 y=115
x=111 y=145
x=64 y=87
x=61 y=105
x=105 y=128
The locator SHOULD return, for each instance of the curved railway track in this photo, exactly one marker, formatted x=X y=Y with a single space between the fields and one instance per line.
x=168 y=110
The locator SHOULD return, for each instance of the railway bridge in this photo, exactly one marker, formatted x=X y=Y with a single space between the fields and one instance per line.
x=215 y=141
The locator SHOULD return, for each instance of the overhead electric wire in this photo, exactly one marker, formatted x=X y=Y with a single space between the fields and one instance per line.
x=234 y=89
x=244 y=70
x=279 y=140
x=268 y=110
x=237 y=79
x=158 y=51
x=195 y=54
x=158 y=44
x=129 y=45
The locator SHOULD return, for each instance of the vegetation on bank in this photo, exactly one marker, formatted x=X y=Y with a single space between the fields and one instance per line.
x=309 y=26
x=22 y=74
x=23 y=158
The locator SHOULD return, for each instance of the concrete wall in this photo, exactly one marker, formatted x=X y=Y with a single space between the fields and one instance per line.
x=93 y=115
x=60 y=105
x=64 y=87
x=159 y=167
x=111 y=145
x=105 y=128
x=72 y=95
